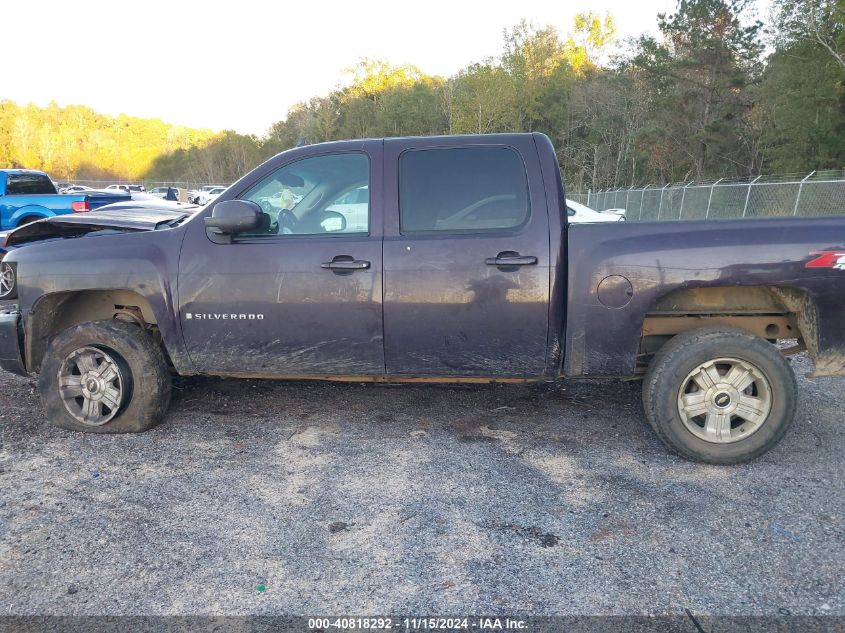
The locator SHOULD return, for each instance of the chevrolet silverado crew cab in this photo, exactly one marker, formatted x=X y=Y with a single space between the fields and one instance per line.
x=425 y=259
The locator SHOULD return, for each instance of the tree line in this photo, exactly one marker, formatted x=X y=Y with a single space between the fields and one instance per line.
x=717 y=93
x=77 y=142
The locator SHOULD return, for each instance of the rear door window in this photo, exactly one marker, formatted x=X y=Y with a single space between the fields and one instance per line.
x=462 y=189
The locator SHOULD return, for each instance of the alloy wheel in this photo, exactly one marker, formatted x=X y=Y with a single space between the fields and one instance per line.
x=724 y=400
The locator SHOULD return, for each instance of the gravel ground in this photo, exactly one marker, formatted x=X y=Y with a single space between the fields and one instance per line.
x=307 y=498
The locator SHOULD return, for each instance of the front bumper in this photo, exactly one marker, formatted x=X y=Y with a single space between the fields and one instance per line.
x=11 y=340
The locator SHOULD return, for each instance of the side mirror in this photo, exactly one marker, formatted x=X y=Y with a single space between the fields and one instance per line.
x=332 y=222
x=234 y=216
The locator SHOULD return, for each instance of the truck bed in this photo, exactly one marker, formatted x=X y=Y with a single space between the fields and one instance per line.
x=640 y=263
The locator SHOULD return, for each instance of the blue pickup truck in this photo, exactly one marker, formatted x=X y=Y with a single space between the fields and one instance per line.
x=27 y=195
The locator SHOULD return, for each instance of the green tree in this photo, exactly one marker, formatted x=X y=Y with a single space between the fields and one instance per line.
x=800 y=101
x=590 y=39
x=484 y=101
x=699 y=76
x=819 y=22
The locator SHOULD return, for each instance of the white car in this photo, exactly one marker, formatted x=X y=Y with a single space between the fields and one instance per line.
x=355 y=207
x=75 y=189
x=145 y=196
x=125 y=188
x=578 y=212
x=204 y=197
x=198 y=196
x=161 y=192
x=279 y=200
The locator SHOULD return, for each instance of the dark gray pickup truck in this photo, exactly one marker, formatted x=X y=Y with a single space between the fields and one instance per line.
x=425 y=259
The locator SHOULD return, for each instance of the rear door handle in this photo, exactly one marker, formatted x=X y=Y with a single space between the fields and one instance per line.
x=345 y=262
x=509 y=258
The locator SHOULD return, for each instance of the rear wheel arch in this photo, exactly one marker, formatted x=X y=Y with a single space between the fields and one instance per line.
x=28 y=214
x=28 y=219
x=769 y=312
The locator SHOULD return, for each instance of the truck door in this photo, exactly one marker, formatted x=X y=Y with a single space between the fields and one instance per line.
x=466 y=258
x=302 y=296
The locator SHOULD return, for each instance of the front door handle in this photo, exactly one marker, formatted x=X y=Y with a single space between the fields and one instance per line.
x=511 y=258
x=345 y=262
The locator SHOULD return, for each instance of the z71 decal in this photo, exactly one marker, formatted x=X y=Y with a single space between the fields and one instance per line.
x=827 y=259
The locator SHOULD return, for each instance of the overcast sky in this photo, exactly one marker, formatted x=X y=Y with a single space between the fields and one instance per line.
x=241 y=64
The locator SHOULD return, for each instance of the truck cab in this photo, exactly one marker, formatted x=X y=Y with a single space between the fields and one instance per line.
x=456 y=284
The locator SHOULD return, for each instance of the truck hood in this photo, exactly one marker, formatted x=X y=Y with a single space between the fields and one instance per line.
x=130 y=219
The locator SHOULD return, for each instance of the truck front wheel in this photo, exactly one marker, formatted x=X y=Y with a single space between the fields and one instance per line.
x=104 y=377
x=719 y=395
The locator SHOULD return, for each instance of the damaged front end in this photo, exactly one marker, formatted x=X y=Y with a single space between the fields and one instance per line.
x=123 y=220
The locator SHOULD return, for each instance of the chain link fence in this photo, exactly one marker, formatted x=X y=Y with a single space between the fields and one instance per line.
x=802 y=195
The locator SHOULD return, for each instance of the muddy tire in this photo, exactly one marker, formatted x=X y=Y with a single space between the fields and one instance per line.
x=104 y=377
x=719 y=395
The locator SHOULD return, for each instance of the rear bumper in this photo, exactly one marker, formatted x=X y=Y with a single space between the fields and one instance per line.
x=11 y=340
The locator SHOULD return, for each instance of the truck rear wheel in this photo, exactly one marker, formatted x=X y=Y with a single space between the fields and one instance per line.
x=719 y=395
x=104 y=377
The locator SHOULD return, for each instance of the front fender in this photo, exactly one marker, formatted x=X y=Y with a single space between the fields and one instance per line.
x=142 y=263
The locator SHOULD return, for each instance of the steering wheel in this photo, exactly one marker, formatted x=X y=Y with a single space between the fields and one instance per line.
x=287 y=222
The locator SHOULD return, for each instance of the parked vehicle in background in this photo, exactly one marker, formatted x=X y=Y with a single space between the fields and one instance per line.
x=147 y=201
x=158 y=192
x=467 y=269
x=195 y=195
x=28 y=195
x=75 y=189
x=620 y=212
x=354 y=206
x=164 y=192
x=125 y=188
x=278 y=200
x=578 y=213
x=204 y=197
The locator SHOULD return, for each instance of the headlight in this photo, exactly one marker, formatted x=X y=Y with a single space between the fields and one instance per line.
x=8 y=280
